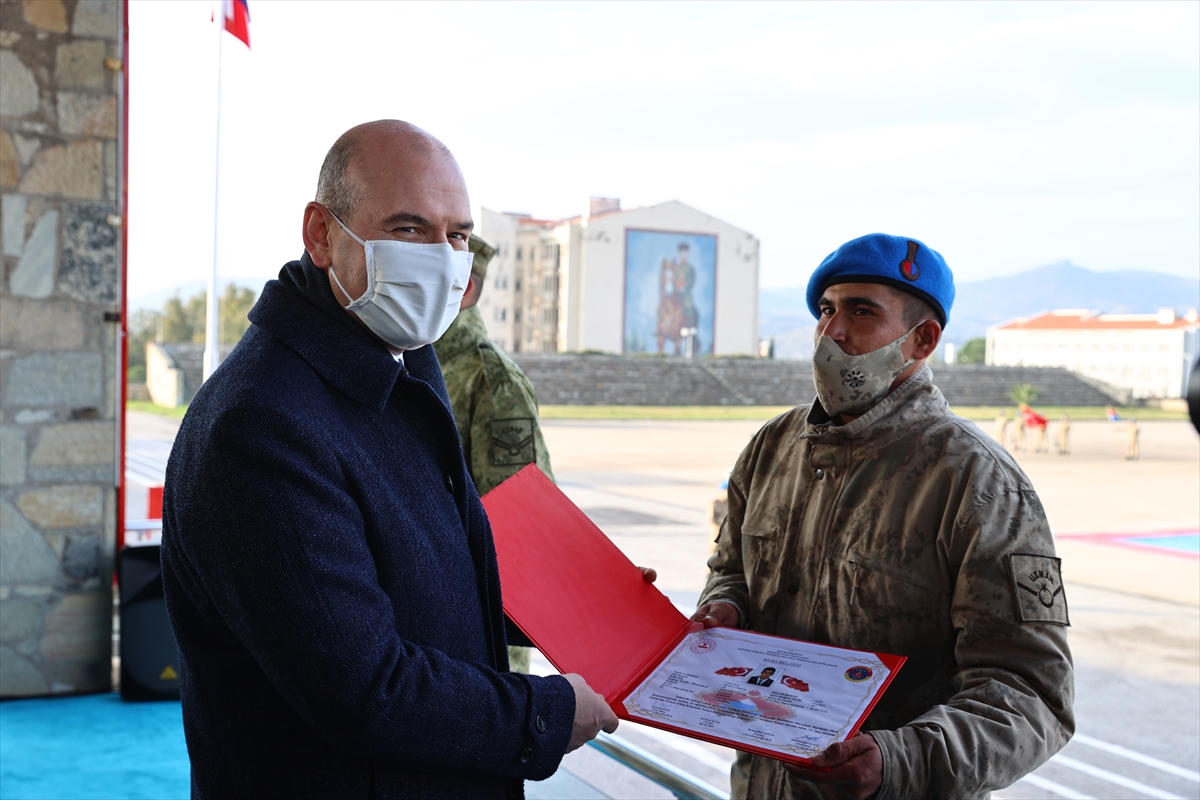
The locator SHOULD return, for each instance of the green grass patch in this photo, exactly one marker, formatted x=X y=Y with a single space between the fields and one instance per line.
x=150 y=408
x=1076 y=413
x=764 y=413
x=662 y=412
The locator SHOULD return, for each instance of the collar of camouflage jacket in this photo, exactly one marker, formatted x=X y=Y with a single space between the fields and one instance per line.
x=914 y=403
x=464 y=334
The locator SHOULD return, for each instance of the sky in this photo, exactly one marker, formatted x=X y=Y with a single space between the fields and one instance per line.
x=1004 y=135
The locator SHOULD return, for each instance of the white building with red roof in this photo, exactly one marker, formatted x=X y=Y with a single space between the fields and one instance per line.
x=1148 y=354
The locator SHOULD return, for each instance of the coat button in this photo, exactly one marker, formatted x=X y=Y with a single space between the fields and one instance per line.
x=526 y=754
x=540 y=724
x=450 y=484
x=820 y=473
x=793 y=587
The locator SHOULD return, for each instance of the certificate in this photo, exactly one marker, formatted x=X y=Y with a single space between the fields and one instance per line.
x=588 y=609
x=750 y=690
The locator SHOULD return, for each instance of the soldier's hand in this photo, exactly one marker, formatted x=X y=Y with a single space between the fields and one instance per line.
x=724 y=615
x=592 y=714
x=855 y=765
x=649 y=574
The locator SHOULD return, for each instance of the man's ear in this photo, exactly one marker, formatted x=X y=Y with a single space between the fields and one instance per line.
x=471 y=295
x=316 y=235
x=928 y=335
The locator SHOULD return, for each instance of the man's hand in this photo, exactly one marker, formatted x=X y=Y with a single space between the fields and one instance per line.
x=856 y=765
x=592 y=714
x=714 y=614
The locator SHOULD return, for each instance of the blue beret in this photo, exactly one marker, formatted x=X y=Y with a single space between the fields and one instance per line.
x=906 y=264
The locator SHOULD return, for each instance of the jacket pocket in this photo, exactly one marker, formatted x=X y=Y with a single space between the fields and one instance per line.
x=760 y=549
x=878 y=584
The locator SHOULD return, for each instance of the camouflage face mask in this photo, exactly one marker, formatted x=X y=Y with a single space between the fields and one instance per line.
x=853 y=384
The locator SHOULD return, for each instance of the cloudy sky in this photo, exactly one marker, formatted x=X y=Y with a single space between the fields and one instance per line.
x=1006 y=135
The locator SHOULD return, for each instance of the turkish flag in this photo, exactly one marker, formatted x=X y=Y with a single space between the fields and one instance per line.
x=237 y=19
x=795 y=683
x=737 y=672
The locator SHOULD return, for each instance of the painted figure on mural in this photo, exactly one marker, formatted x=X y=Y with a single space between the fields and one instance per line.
x=676 y=308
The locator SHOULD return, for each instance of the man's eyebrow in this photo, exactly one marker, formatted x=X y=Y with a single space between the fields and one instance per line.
x=465 y=226
x=851 y=301
x=404 y=216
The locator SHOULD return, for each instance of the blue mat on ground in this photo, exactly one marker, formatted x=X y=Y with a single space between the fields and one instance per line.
x=96 y=746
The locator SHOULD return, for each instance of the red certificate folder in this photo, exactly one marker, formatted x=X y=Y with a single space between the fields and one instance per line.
x=584 y=604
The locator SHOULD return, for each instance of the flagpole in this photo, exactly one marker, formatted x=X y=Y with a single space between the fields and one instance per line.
x=212 y=353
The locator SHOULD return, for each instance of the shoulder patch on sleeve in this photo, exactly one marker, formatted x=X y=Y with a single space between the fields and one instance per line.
x=512 y=442
x=1038 y=588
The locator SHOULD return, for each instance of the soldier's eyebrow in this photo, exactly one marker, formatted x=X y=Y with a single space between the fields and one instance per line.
x=851 y=301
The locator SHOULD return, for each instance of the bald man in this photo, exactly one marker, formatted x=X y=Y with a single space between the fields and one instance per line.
x=328 y=568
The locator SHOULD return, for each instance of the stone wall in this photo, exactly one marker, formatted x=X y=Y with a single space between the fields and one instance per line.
x=60 y=105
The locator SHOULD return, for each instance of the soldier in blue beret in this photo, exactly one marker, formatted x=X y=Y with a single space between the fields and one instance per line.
x=874 y=518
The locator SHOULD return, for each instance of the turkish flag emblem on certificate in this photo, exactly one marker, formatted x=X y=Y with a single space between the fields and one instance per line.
x=651 y=663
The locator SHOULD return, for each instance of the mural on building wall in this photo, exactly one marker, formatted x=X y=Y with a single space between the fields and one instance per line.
x=670 y=286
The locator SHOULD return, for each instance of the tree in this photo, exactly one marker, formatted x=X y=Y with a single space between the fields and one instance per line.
x=973 y=351
x=235 y=305
x=1023 y=393
x=143 y=327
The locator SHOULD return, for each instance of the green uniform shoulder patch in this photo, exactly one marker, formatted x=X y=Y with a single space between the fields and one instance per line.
x=1038 y=587
x=512 y=442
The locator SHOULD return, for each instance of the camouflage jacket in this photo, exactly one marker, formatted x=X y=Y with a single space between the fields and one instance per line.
x=906 y=531
x=495 y=406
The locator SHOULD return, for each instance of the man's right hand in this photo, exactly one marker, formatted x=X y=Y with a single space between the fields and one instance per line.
x=592 y=714
x=713 y=615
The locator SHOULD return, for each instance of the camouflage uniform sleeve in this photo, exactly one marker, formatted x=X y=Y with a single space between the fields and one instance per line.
x=505 y=433
x=1015 y=685
x=726 y=569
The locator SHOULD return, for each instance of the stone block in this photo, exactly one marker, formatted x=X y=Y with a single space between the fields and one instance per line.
x=34 y=275
x=19 y=677
x=110 y=171
x=89 y=254
x=12 y=222
x=8 y=160
x=63 y=506
x=31 y=325
x=27 y=147
x=81 y=557
x=72 y=445
x=74 y=170
x=100 y=18
x=19 y=620
x=18 y=87
x=80 y=627
x=55 y=379
x=24 y=555
x=12 y=455
x=87 y=114
x=48 y=15
x=80 y=65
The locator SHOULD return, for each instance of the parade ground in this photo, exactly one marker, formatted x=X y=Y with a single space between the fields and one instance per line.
x=1125 y=529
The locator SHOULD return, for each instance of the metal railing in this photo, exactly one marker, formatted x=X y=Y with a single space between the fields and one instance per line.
x=681 y=784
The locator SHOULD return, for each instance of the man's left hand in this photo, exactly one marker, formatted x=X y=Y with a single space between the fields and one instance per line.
x=856 y=765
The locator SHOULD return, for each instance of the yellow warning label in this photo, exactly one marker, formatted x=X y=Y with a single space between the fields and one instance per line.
x=168 y=674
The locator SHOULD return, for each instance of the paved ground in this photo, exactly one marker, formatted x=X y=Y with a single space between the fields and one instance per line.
x=1135 y=612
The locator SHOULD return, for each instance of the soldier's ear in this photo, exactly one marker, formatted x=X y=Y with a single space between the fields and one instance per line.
x=926 y=338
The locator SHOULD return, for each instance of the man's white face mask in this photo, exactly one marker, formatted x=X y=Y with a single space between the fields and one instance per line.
x=413 y=290
x=849 y=384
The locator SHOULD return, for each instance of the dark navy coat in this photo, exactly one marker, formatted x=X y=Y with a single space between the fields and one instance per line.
x=331 y=580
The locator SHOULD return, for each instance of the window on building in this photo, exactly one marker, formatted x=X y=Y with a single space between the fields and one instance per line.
x=517 y=285
x=517 y=315
x=518 y=254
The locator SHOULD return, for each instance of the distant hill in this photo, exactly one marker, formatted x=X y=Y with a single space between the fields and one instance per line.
x=782 y=313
